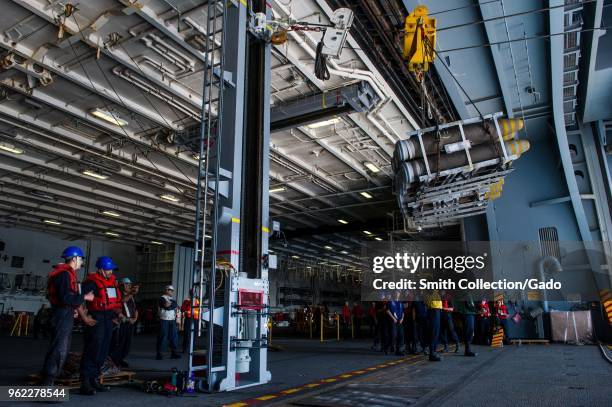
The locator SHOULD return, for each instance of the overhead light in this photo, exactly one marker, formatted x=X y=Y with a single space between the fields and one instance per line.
x=378 y=238
x=329 y=122
x=207 y=237
x=371 y=167
x=271 y=251
x=111 y=213
x=365 y=195
x=308 y=267
x=323 y=263
x=344 y=222
x=344 y=252
x=328 y=247
x=52 y=222
x=169 y=197
x=111 y=234
x=11 y=148
x=278 y=189
x=94 y=174
x=110 y=117
x=156 y=242
x=295 y=257
x=367 y=232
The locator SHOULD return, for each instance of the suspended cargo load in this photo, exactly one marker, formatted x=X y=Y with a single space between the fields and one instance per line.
x=410 y=171
x=458 y=176
x=450 y=139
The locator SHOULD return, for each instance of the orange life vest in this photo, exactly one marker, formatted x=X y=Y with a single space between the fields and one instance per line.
x=105 y=286
x=52 y=295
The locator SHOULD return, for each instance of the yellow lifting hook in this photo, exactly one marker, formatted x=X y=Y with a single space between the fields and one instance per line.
x=419 y=40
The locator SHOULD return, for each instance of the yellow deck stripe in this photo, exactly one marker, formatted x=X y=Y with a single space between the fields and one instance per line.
x=311 y=385
x=329 y=380
x=268 y=397
x=289 y=391
x=240 y=404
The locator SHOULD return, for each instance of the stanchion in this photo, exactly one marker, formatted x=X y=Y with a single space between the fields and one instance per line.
x=337 y=327
x=310 y=319
x=321 y=327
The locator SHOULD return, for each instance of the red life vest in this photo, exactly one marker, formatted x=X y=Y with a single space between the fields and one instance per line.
x=52 y=295
x=102 y=301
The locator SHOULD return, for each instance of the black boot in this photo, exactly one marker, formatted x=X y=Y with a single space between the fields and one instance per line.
x=457 y=348
x=469 y=353
x=434 y=357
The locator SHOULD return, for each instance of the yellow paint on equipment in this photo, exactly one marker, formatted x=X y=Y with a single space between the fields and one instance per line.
x=517 y=147
x=498 y=339
x=419 y=39
x=265 y=229
x=495 y=190
x=510 y=126
x=235 y=220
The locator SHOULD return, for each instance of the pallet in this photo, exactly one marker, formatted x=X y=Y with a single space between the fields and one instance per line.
x=530 y=341
x=110 y=380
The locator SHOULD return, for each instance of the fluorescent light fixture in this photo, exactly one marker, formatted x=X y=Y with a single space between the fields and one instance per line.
x=271 y=251
x=308 y=268
x=323 y=263
x=111 y=213
x=367 y=232
x=111 y=234
x=371 y=167
x=11 y=148
x=344 y=252
x=295 y=257
x=94 y=174
x=365 y=195
x=328 y=247
x=378 y=238
x=169 y=197
x=278 y=189
x=207 y=237
x=110 y=117
x=156 y=242
x=52 y=222
x=344 y=222
x=328 y=122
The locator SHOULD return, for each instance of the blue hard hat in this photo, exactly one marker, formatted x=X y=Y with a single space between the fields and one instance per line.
x=126 y=280
x=72 y=251
x=105 y=263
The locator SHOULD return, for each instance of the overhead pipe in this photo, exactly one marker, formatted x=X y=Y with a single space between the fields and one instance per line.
x=351 y=74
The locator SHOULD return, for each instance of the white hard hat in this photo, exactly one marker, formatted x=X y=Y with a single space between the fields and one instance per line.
x=169 y=287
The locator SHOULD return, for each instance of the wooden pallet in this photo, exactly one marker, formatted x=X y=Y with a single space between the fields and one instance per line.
x=110 y=380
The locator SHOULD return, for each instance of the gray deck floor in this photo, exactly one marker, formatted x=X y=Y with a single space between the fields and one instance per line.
x=530 y=375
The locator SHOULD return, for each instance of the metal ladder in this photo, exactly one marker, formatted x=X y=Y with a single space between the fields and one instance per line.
x=203 y=274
